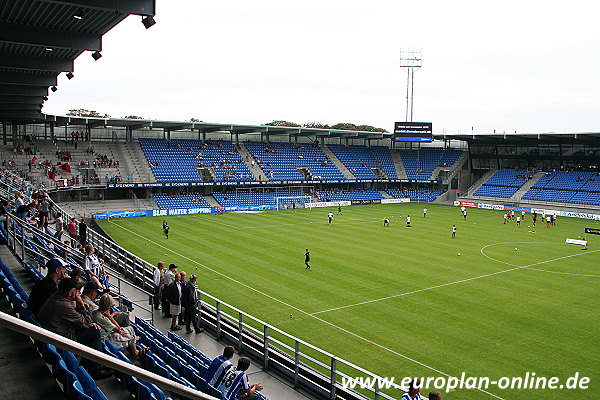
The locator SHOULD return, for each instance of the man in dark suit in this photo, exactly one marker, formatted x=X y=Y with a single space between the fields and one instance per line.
x=190 y=300
x=173 y=297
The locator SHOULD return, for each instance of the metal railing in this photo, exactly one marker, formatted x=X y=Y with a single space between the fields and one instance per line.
x=35 y=332
x=304 y=365
x=20 y=248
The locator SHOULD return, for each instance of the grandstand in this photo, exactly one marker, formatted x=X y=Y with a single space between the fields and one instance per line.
x=160 y=168
x=293 y=161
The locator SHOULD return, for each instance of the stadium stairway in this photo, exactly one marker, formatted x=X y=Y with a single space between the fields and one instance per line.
x=480 y=182
x=386 y=195
x=399 y=165
x=526 y=186
x=451 y=170
x=336 y=161
x=211 y=200
x=256 y=169
x=135 y=162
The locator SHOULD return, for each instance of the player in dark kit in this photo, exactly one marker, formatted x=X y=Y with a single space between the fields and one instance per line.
x=307 y=259
x=339 y=209
x=166 y=229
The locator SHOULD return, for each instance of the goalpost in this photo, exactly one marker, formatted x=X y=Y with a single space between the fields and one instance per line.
x=287 y=202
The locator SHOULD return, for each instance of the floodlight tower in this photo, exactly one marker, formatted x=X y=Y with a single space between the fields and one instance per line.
x=412 y=60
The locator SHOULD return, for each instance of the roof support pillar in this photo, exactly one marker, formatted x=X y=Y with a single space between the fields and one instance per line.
x=129 y=134
x=4 y=138
x=15 y=130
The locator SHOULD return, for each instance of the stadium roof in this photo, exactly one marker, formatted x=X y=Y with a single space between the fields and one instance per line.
x=591 y=138
x=39 y=39
x=211 y=127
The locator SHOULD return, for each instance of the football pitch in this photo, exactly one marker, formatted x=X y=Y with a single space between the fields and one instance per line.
x=496 y=301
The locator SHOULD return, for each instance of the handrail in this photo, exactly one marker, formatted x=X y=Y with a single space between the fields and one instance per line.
x=52 y=241
x=140 y=270
x=28 y=329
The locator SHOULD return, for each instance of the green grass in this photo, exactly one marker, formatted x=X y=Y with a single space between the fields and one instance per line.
x=503 y=324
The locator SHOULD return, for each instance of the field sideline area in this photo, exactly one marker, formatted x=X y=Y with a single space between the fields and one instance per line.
x=516 y=299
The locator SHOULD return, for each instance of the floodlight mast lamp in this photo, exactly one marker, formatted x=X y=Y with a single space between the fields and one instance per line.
x=412 y=60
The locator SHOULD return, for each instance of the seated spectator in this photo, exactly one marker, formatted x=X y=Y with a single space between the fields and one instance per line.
x=219 y=367
x=78 y=274
x=41 y=292
x=414 y=390
x=121 y=336
x=65 y=314
x=90 y=293
x=235 y=382
x=435 y=395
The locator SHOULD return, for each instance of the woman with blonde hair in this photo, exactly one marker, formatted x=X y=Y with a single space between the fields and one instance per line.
x=120 y=336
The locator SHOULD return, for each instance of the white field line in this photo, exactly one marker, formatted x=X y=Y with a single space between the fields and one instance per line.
x=306 y=313
x=516 y=267
x=536 y=269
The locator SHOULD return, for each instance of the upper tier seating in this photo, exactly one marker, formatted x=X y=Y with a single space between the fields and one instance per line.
x=567 y=187
x=165 y=201
x=177 y=161
x=348 y=195
x=504 y=183
x=281 y=161
x=420 y=164
x=360 y=159
x=415 y=195
x=245 y=198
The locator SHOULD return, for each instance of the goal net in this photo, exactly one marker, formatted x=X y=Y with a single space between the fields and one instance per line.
x=291 y=202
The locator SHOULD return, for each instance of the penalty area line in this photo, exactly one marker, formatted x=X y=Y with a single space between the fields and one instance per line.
x=304 y=312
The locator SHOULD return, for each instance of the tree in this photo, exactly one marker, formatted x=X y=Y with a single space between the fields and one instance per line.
x=282 y=123
x=316 y=124
x=132 y=117
x=346 y=126
x=194 y=120
x=82 y=112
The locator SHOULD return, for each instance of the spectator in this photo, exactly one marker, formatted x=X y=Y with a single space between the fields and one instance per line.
x=159 y=280
x=121 y=336
x=72 y=230
x=174 y=296
x=219 y=367
x=61 y=316
x=414 y=389
x=235 y=382
x=83 y=232
x=183 y=283
x=435 y=395
x=168 y=279
x=93 y=267
x=3 y=212
x=78 y=274
x=90 y=293
x=190 y=302
x=42 y=290
x=59 y=226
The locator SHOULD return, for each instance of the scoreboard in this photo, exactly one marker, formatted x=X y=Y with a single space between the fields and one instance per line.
x=413 y=132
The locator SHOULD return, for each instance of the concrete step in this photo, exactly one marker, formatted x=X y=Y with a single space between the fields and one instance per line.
x=336 y=161
x=399 y=165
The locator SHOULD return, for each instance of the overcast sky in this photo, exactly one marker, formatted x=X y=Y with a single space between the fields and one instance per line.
x=525 y=66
